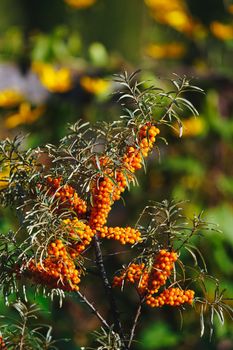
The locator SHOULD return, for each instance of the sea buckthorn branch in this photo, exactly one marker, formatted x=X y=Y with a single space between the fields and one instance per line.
x=149 y=278
x=148 y=281
x=68 y=200
x=104 y=189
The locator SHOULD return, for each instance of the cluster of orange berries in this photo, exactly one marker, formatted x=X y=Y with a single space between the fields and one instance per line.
x=2 y=344
x=80 y=233
x=102 y=202
x=133 y=159
x=161 y=270
x=122 y=234
x=121 y=185
x=67 y=195
x=172 y=297
x=57 y=270
x=149 y=281
x=133 y=274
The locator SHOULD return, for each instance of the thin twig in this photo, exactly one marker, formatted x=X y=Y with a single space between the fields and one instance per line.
x=192 y=232
x=108 y=290
x=135 y=322
x=21 y=344
x=94 y=310
x=170 y=106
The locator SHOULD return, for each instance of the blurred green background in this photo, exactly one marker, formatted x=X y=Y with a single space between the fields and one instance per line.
x=57 y=59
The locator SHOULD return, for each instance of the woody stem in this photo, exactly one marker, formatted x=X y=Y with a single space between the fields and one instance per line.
x=135 y=322
x=93 y=309
x=108 y=290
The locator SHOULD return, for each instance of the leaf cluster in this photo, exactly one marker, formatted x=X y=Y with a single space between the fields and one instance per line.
x=20 y=334
x=165 y=225
x=213 y=303
x=19 y=167
x=150 y=103
x=106 y=340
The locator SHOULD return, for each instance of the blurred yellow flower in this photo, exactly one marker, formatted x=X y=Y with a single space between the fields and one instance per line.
x=192 y=126
x=178 y=19
x=94 y=86
x=79 y=4
x=175 y=14
x=163 y=4
x=159 y=51
x=4 y=176
x=54 y=79
x=25 y=115
x=222 y=31
x=10 y=98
